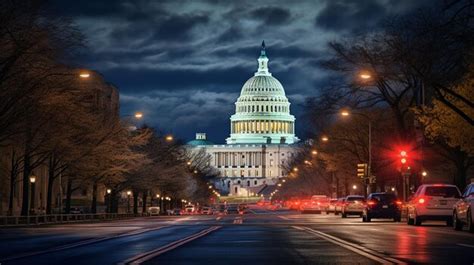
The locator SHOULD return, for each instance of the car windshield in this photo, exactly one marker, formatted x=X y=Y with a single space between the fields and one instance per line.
x=355 y=198
x=384 y=197
x=447 y=192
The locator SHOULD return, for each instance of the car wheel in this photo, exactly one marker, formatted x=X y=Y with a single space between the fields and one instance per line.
x=470 y=224
x=336 y=213
x=449 y=222
x=397 y=218
x=417 y=220
x=457 y=225
x=369 y=218
x=344 y=215
x=409 y=220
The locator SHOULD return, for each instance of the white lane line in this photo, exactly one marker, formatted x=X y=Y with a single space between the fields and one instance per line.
x=218 y=218
x=238 y=220
x=465 y=245
x=140 y=258
x=81 y=243
x=284 y=217
x=373 y=255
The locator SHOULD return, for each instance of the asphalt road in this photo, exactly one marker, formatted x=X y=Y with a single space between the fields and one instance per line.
x=260 y=237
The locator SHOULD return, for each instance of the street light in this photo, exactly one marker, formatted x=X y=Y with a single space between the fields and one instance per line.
x=324 y=139
x=138 y=115
x=354 y=187
x=314 y=152
x=295 y=169
x=169 y=138
x=424 y=173
x=346 y=113
x=32 y=199
x=128 y=201
x=84 y=75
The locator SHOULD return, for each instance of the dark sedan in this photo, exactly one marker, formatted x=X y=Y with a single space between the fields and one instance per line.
x=382 y=205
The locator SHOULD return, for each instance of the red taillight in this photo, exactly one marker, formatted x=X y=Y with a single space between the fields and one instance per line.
x=319 y=203
x=371 y=203
x=421 y=200
x=398 y=202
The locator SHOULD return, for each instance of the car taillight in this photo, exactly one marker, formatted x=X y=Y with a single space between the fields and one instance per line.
x=371 y=203
x=319 y=203
x=398 y=202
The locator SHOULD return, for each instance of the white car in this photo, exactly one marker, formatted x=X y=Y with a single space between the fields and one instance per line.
x=189 y=209
x=154 y=210
x=463 y=213
x=353 y=204
x=432 y=202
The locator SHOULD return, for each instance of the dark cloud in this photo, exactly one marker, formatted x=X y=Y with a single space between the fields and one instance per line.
x=350 y=15
x=184 y=62
x=178 y=27
x=271 y=15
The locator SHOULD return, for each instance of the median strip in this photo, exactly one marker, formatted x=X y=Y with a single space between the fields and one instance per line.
x=368 y=253
x=140 y=258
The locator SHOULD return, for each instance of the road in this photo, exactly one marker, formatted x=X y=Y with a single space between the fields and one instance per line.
x=260 y=237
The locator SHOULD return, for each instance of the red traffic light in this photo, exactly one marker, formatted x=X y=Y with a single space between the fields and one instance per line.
x=403 y=153
x=403 y=160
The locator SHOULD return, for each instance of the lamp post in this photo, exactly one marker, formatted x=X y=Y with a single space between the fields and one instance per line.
x=32 y=196
x=109 y=200
x=346 y=113
x=128 y=201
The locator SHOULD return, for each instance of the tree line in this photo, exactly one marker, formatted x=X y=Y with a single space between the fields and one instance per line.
x=413 y=79
x=55 y=117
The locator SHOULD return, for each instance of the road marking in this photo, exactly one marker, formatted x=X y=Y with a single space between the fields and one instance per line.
x=238 y=220
x=218 y=218
x=465 y=245
x=373 y=255
x=140 y=258
x=81 y=243
x=283 y=217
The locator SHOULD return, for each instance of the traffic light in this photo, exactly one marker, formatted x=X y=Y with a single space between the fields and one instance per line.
x=403 y=159
x=362 y=170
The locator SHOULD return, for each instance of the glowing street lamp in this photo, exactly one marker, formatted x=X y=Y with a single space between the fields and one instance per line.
x=295 y=169
x=84 y=75
x=109 y=191
x=138 y=115
x=324 y=139
x=314 y=152
x=365 y=76
x=345 y=113
x=169 y=138
x=424 y=173
x=354 y=187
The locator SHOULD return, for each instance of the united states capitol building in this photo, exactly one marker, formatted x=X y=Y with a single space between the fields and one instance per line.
x=261 y=139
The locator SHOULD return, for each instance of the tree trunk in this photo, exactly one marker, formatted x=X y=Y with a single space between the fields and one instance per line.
x=26 y=184
x=13 y=175
x=94 y=198
x=135 y=202
x=68 y=195
x=113 y=202
x=51 y=175
x=144 y=197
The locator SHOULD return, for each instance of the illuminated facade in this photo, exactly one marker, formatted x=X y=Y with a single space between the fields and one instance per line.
x=261 y=138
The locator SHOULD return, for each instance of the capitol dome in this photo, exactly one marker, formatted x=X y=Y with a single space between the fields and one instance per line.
x=262 y=112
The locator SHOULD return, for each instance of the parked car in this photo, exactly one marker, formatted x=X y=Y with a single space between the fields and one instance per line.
x=232 y=209
x=154 y=210
x=243 y=208
x=310 y=206
x=463 y=213
x=206 y=210
x=339 y=205
x=75 y=210
x=353 y=205
x=432 y=202
x=189 y=209
x=321 y=200
x=382 y=205
x=176 y=211
x=331 y=207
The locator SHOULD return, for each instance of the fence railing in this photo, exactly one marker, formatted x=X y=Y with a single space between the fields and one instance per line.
x=62 y=218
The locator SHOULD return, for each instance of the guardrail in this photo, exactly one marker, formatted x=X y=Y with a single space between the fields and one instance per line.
x=62 y=218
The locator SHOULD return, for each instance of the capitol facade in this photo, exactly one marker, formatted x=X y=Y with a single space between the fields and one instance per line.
x=262 y=137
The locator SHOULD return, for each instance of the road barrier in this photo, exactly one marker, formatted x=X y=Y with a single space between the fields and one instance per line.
x=62 y=218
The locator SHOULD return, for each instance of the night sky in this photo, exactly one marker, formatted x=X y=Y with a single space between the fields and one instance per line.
x=183 y=63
